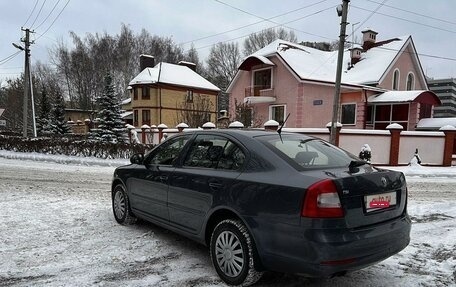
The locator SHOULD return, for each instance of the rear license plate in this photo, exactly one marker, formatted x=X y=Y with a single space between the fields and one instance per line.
x=379 y=201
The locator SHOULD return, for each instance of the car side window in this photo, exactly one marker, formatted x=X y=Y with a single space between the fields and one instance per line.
x=168 y=152
x=215 y=152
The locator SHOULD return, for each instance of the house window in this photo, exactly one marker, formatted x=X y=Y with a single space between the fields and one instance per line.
x=146 y=117
x=348 y=114
x=145 y=94
x=425 y=111
x=400 y=113
x=388 y=114
x=135 y=118
x=189 y=97
x=262 y=79
x=277 y=113
x=396 y=80
x=135 y=93
x=410 y=82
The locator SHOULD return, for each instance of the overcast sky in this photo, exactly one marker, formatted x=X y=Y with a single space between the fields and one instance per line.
x=432 y=24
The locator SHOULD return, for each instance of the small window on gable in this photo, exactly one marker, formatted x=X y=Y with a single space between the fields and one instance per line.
x=348 y=114
x=410 y=82
x=396 y=80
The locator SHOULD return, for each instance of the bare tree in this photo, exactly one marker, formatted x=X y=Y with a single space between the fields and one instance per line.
x=247 y=115
x=196 y=112
x=261 y=39
x=223 y=63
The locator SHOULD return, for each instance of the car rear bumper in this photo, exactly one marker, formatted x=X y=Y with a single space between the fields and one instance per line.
x=327 y=252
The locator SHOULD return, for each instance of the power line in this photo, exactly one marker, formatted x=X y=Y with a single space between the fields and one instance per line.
x=5 y=60
x=31 y=13
x=406 y=20
x=55 y=19
x=278 y=25
x=415 y=13
x=372 y=14
x=274 y=22
x=252 y=24
x=53 y=8
x=37 y=15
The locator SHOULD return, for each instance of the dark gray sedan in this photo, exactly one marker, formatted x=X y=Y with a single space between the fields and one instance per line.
x=267 y=201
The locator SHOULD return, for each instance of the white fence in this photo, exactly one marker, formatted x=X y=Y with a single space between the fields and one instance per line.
x=430 y=145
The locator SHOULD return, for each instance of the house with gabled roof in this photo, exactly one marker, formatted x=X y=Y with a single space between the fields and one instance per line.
x=162 y=93
x=382 y=83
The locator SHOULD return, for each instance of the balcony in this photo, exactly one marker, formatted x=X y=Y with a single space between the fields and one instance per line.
x=259 y=95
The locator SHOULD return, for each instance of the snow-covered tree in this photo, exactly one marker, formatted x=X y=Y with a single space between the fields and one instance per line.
x=44 y=121
x=59 y=123
x=110 y=124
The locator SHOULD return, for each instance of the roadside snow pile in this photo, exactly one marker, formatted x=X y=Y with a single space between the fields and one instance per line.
x=63 y=159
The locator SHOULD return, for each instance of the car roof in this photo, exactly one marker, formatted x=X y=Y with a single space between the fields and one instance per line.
x=251 y=133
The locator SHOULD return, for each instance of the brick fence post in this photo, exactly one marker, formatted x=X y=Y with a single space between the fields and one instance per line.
x=450 y=133
x=395 y=131
x=161 y=127
x=143 y=133
x=180 y=127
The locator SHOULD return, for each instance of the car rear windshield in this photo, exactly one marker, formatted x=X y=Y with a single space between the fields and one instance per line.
x=307 y=153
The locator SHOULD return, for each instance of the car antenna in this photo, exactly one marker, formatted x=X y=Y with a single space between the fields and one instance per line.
x=279 y=130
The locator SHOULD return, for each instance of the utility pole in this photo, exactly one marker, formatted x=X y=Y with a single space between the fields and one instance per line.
x=27 y=78
x=341 y=11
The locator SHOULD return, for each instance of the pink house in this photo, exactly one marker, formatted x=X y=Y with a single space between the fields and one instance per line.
x=382 y=83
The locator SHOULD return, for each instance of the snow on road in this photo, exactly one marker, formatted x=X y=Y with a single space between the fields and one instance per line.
x=57 y=229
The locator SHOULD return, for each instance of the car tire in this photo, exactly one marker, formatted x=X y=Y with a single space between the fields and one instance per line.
x=121 y=206
x=232 y=253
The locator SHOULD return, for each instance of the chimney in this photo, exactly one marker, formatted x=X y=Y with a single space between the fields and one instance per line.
x=190 y=65
x=355 y=54
x=369 y=38
x=146 y=61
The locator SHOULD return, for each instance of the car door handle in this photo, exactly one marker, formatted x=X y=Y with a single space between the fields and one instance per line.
x=163 y=178
x=215 y=185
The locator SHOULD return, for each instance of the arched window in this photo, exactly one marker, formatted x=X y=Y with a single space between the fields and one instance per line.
x=410 y=82
x=396 y=80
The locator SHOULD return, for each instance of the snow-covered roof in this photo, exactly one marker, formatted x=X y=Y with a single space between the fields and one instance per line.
x=435 y=123
x=403 y=96
x=313 y=64
x=126 y=101
x=395 y=96
x=173 y=74
x=127 y=115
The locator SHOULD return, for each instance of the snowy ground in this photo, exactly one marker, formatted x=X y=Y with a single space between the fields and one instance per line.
x=56 y=229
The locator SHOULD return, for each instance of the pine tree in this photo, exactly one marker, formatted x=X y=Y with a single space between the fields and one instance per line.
x=110 y=124
x=59 y=124
x=44 y=122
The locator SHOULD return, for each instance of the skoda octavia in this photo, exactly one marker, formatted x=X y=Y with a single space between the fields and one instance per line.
x=267 y=201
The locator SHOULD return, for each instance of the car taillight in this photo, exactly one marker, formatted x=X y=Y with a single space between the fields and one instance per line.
x=322 y=201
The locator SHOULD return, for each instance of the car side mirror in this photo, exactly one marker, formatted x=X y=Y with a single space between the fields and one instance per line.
x=137 y=158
